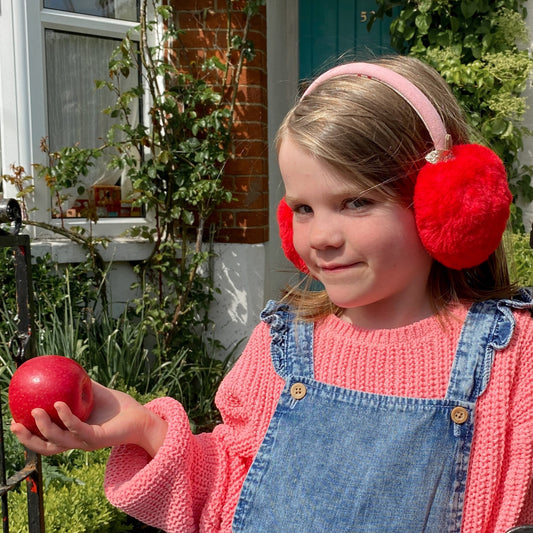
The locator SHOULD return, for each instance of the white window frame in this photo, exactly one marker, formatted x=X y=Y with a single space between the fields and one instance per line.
x=23 y=116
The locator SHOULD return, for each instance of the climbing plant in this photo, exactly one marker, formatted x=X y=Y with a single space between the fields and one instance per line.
x=176 y=162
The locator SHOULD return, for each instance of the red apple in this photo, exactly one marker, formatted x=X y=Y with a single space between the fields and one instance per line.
x=42 y=381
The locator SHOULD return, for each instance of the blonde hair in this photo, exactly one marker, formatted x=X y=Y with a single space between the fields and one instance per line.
x=367 y=132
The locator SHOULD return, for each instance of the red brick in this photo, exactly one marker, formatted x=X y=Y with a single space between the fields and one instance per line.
x=252 y=111
x=197 y=38
x=243 y=235
x=250 y=130
x=192 y=5
x=242 y=166
x=238 y=20
x=219 y=20
x=251 y=149
x=253 y=76
x=188 y=20
x=259 y=59
x=251 y=219
x=252 y=200
x=216 y=20
x=258 y=37
x=190 y=56
x=237 y=4
x=246 y=218
x=249 y=93
x=251 y=183
x=228 y=181
x=226 y=218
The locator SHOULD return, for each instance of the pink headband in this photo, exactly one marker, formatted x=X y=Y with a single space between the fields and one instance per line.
x=403 y=87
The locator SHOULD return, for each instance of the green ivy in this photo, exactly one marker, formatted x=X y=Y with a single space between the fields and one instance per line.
x=175 y=164
x=480 y=48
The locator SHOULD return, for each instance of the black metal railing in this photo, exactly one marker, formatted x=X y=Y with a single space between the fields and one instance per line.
x=22 y=347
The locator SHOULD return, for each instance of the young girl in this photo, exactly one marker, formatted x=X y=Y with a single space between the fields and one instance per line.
x=400 y=397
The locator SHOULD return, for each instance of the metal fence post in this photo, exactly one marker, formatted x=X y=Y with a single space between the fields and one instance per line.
x=31 y=472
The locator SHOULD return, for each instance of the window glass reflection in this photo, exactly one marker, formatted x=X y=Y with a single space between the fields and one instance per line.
x=73 y=63
x=115 y=9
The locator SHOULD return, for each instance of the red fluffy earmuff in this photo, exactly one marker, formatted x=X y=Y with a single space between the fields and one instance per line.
x=285 y=232
x=462 y=206
x=461 y=198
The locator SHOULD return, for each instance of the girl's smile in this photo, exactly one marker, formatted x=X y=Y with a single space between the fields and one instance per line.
x=364 y=248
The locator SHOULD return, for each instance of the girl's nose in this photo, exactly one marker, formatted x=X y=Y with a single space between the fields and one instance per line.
x=325 y=234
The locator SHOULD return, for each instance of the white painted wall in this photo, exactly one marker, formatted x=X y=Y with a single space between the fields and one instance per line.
x=239 y=274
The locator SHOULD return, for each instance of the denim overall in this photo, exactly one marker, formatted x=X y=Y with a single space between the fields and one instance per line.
x=340 y=460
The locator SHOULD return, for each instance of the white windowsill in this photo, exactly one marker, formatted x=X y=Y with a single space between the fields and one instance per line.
x=65 y=251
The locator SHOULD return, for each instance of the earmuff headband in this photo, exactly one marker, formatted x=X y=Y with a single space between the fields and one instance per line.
x=461 y=198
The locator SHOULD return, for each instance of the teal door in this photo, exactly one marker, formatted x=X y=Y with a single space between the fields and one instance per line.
x=330 y=29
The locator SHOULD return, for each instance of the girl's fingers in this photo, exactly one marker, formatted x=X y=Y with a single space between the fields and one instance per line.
x=75 y=434
x=56 y=440
x=116 y=419
x=79 y=433
x=33 y=442
x=68 y=418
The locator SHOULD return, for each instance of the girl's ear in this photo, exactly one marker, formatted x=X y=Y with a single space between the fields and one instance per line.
x=462 y=205
x=285 y=232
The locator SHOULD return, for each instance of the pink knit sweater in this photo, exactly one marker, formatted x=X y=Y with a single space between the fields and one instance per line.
x=193 y=483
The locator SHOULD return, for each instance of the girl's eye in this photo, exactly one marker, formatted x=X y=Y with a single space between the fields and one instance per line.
x=357 y=203
x=302 y=209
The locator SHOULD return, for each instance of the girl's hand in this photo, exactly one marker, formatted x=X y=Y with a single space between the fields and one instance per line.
x=116 y=419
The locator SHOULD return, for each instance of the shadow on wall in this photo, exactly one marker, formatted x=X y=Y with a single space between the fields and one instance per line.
x=239 y=274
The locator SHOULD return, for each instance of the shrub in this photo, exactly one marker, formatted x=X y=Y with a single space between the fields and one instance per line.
x=76 y=506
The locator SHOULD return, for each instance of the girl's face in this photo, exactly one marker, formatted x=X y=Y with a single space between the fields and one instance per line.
x=364 y=249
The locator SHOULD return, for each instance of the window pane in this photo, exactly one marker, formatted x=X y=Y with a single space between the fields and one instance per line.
x=115 y=9
x=73 y=63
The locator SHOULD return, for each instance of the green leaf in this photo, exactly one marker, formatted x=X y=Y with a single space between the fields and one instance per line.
x=469 y=8
x=424 y=6
x=498 y=126
x=423 y=22
x=444 y=38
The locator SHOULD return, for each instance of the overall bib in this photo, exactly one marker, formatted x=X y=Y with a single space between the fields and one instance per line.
x=340 y=460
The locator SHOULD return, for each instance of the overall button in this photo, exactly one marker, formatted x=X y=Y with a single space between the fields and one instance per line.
x=298 y=391
x=459 y=415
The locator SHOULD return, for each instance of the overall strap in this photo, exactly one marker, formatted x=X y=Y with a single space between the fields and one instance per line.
x=489 y=326
x=292 y=341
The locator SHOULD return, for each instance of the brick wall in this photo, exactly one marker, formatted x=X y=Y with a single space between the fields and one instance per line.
x=244 y=220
